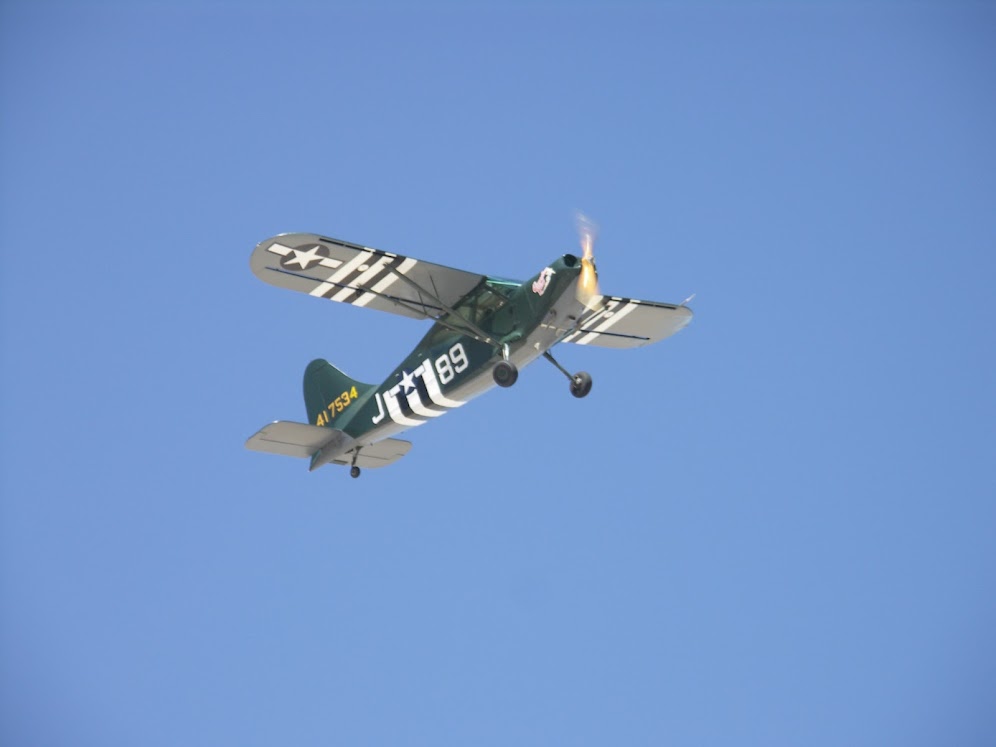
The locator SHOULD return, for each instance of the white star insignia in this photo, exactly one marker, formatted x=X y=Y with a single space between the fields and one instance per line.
x=304 y=258
x=407 y=382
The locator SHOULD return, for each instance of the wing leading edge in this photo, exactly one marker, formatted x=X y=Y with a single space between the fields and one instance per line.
x=629 y=323
x=358 y=275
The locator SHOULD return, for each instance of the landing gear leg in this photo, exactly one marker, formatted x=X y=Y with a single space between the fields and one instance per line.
x=354 y=471
x=505 y=373
x=580 y=382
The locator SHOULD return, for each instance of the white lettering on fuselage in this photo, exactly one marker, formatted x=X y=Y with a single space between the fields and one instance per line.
x=443 y=371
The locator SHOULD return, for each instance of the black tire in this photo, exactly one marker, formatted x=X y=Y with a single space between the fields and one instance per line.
x=505 y=373
x=354 y=471
x=581 y=384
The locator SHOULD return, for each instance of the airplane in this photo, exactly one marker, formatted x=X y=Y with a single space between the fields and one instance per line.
x=485 y=329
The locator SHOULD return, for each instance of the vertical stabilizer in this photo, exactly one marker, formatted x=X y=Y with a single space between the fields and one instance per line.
x=328 y=392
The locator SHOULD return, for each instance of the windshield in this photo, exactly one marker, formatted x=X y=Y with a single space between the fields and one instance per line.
x=478 y=306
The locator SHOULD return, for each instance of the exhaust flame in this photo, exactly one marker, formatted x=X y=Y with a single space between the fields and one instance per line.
x=587 y=290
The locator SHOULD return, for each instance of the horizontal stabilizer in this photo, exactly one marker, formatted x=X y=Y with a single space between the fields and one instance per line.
x=324 y=445
x=376 y=455
x=297 y=439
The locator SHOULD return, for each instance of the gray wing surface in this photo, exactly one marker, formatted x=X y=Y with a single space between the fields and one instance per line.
x=302 y=440
x=629 y=323
x=358 y=275
x=379 y=454
x=294 y=439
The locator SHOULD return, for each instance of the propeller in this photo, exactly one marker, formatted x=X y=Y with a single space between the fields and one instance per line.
x=587 y=290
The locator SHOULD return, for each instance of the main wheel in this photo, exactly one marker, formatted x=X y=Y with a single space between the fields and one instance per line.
x=505 y=373
x=354 y=471
x=581 y=384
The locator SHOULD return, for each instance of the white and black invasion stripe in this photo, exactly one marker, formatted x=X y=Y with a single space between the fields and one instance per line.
x=369 y=270
x=417 y=400
x=603 y=320
x=420 y=400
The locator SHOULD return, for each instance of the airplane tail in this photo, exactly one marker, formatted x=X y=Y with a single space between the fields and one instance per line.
x=328 y=392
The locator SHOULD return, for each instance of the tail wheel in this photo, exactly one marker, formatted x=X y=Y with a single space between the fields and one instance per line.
x=505 y=373
x=581 y=384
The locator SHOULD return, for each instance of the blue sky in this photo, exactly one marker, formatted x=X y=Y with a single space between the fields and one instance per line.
x=777 y=528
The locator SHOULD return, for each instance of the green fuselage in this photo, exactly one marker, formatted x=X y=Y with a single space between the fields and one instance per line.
x=453 y=363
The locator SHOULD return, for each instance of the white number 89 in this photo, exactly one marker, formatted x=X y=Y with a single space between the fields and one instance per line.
x=448 y=370
x=459 y=356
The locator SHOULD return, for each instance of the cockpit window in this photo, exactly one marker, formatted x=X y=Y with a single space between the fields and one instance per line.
x=484 y=301
x=504 y=287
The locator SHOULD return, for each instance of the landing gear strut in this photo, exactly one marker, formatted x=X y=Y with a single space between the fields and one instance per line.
x=354 y=471
x=580 y=382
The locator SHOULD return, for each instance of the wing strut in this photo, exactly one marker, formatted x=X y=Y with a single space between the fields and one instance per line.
x=402 y=302
x=481 y=334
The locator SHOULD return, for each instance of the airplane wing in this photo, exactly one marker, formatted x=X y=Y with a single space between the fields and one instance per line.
x=628 y=323
x=359 y=275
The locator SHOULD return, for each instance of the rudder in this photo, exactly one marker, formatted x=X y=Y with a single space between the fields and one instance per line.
x=328 y=392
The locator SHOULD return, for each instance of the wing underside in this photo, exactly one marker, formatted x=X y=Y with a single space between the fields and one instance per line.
x=358 y=275
x=628 y=323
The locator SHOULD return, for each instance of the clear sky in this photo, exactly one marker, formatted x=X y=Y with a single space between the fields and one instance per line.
x=776 y=528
